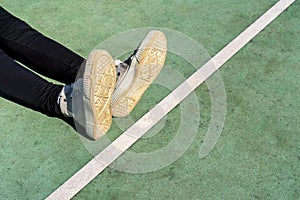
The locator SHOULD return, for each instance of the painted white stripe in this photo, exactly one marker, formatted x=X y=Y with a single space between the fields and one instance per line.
x=94 y=167
x=232 y=48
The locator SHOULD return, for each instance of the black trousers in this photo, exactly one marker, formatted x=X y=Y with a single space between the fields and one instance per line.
x=20 y=42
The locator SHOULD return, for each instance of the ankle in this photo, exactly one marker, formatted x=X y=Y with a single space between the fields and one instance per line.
x=65 y=100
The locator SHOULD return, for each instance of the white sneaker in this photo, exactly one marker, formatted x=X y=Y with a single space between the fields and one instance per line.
x=99 y=81
x=135 y=75
x=88 y=99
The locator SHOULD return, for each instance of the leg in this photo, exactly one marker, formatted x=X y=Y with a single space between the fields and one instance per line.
x=28 y=89
x=43 y=55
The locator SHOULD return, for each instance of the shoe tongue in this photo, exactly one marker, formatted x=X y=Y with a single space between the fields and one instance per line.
x=121 y=68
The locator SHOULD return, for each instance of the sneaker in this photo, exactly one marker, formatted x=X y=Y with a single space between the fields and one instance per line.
x=99 y=81
x=88 y=99
x=135 y=75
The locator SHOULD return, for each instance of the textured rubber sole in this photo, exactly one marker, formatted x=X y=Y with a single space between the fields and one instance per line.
x=151 y=55
x=98 y=85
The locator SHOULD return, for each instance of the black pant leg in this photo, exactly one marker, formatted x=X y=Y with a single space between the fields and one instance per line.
x=24 y=87
x=41 y=54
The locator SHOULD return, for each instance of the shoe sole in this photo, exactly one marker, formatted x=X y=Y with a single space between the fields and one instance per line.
x=151 y=55
x=99 y=83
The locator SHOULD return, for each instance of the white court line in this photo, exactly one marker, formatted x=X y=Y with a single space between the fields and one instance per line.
x=94 y=167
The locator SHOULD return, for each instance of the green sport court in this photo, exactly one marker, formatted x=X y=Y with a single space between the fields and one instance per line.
x=257 y=155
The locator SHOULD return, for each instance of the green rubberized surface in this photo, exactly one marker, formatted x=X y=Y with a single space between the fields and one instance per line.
x=258 y=154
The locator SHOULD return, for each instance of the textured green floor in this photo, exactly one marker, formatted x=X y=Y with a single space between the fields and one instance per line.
x=258 y=154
